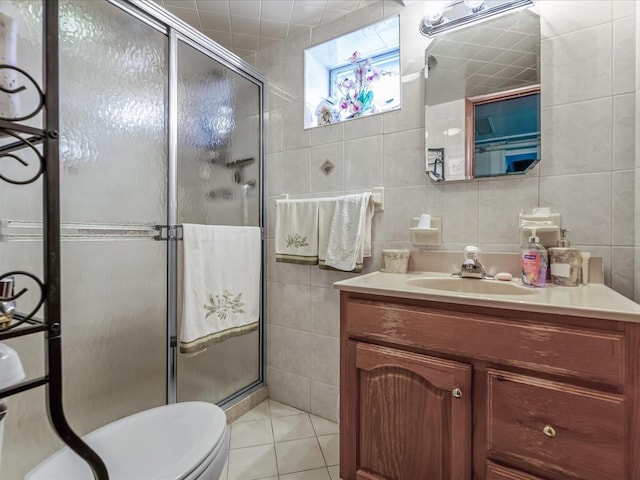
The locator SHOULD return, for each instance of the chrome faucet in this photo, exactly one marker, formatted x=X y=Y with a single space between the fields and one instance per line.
x=471 y=266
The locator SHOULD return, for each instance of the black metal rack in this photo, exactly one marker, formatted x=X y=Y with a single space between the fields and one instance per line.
x=51 y=325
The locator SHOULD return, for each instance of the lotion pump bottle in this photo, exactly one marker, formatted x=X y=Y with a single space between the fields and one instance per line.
x=565 y=262
x=534 y=263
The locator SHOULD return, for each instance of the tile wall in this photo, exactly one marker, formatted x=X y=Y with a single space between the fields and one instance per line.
x=587 y=172
x=637 y=165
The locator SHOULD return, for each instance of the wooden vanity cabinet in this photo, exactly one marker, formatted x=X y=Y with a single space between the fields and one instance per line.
x=434 y=391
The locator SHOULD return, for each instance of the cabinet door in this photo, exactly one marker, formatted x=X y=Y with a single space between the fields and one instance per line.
x=410 y=416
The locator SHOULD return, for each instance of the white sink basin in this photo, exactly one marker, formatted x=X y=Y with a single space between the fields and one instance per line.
x=11 y=371
x=471 y=285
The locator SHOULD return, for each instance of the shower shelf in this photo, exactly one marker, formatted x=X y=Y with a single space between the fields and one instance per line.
x=21 y=326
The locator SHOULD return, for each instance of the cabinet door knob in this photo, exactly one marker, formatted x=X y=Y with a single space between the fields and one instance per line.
x=549 y=431
x=457 y=393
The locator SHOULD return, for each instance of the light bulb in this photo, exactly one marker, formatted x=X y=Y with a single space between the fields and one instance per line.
x=474 y=5
x=434 y=12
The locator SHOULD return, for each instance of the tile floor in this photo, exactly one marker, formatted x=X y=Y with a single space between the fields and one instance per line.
x=276 y=442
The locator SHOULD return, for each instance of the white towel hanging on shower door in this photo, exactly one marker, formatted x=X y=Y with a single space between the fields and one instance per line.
x=221 y=284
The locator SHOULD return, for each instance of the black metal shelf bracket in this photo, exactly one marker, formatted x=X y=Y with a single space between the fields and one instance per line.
x=50 y=297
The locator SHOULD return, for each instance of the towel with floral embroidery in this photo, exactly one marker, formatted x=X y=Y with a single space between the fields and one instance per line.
x=221 y=284
x=297 y=231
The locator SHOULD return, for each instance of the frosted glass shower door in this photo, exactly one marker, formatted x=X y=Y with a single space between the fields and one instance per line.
x=218 y=164
x=113 y=86
x=113 y=171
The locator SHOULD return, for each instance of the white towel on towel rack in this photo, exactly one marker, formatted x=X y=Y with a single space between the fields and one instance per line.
x=350 y=234
x=297 y=231
x=221 y=284
x=326 y=208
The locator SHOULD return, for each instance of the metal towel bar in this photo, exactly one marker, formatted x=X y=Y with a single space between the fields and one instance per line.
x=20 y=230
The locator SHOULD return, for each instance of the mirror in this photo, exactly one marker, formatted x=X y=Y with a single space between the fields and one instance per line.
x=482 y=112
x=355 y=75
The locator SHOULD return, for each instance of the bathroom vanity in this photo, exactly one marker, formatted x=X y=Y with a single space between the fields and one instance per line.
x=446 y=383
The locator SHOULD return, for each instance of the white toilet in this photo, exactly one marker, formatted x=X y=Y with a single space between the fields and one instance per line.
x=181 y=441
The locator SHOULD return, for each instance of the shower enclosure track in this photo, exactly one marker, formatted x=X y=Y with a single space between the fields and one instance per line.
x=48 y=169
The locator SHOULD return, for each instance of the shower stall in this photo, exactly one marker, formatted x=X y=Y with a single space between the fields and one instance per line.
x=159 y=126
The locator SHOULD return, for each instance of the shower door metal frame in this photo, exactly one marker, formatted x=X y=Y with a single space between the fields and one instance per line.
x=177 y=30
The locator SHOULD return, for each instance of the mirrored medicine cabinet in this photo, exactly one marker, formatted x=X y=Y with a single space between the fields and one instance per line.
x=482 y=99
x=354 y=75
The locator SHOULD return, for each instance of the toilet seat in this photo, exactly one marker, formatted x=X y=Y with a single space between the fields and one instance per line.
x=171 y=442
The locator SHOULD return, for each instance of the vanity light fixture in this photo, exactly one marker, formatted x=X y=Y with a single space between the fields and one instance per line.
x=442 y=16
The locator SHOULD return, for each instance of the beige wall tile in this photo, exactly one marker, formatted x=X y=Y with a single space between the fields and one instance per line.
x=584 y=202
x=296 y=390
x=295 y=309
x=273 y=137
x=401 y=205
x=403 y=159
x=568 y=70
x=293 y=133
x=324 y=398
x=623 y=270
x=363 y=163
x=363 y=127
x=292 y=62
x=457 y=204
x=274 y=346
x=499 y=203
x=624 y=129
x=269 y=61
x=325 y=311
x=622 y=223
x=296 y=353
x=624 y=54
x=560 y=17
x=325 y=359
x=576 y=138
x=334 y=181
x=623 y=8
x=637 y=269
x=327 y=134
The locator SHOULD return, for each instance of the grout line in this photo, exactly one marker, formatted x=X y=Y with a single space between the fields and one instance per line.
x=273 y=435
x=316 y=436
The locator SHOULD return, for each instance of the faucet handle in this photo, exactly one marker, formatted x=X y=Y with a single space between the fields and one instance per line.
x=471 y=252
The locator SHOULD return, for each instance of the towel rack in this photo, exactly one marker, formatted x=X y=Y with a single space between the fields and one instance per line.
x=20 y=230
x=377 y=195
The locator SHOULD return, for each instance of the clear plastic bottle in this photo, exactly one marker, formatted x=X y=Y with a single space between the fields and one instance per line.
x=565 y=263
x=534 y=263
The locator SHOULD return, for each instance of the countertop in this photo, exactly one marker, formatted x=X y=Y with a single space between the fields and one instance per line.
x=594 y=300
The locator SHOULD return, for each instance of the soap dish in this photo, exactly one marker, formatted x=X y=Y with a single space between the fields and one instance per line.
x=427 y=236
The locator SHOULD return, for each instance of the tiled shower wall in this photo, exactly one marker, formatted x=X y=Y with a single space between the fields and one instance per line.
x=587 y=172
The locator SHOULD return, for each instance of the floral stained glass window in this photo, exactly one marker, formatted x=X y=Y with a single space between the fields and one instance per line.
x=354 y=75
x=367 y=83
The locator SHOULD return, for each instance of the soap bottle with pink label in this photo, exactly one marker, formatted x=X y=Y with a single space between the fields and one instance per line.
x=534 y=263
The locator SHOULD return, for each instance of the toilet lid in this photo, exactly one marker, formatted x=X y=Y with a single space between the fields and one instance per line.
x=164 y=443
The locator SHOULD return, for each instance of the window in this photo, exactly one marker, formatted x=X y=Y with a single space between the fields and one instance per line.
x=385 y=88
x=354 y=75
